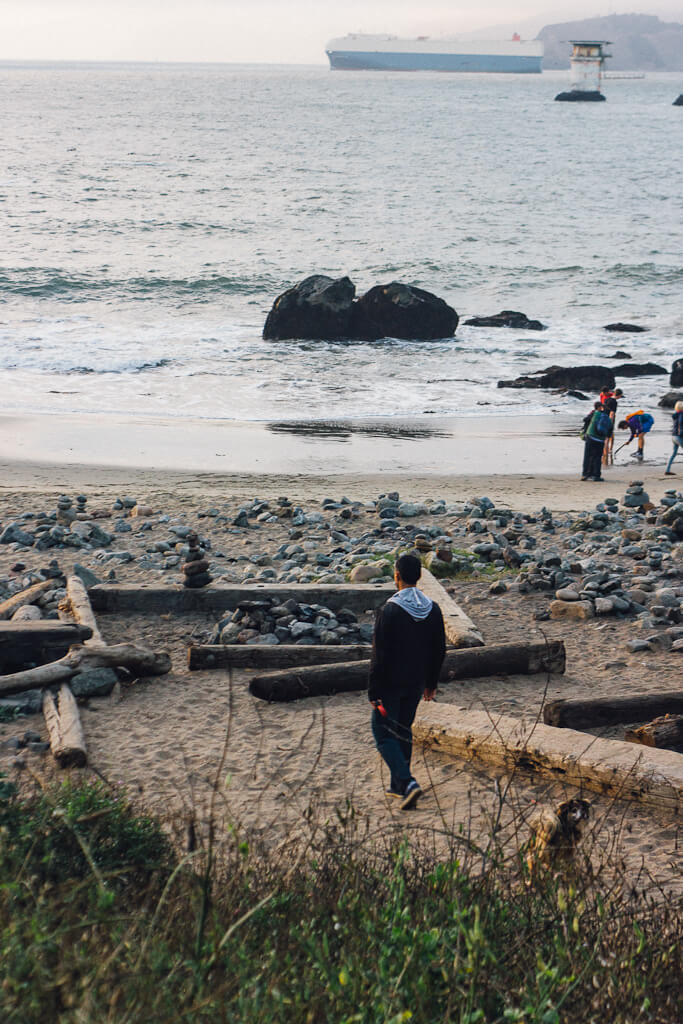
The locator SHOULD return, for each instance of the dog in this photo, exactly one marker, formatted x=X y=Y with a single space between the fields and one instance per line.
x=555 y=834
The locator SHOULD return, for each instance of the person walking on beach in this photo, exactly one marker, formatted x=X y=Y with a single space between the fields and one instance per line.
x=611 y=404
x=408 y=648
x=677 y=432
x=639 y=423
x=597 y=427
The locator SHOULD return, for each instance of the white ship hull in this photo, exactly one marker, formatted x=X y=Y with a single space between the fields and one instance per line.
x=389 y=53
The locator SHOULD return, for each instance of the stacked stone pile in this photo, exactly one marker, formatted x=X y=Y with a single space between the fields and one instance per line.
x=196 y=567
x=268 y=621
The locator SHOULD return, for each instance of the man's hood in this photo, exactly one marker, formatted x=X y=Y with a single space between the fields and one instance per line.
x=413 y=601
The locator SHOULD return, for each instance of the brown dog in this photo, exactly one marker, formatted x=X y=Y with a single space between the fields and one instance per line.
x=555 y=834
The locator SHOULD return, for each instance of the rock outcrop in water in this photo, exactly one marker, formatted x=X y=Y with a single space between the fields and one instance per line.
x=638 y=370
x=678 y=102
x=324 y=309
x=625 y=328
x=676 y=379
x=580 y=96
x=506 y=318
x=669 y=400
x=593 y=378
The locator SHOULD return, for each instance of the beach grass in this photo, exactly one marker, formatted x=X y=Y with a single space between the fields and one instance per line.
x=102 y=919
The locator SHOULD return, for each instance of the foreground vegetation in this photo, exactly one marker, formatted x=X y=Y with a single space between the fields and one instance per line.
x=101 y=922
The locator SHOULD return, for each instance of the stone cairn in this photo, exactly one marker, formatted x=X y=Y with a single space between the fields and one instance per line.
x=81 y=502
x=636 y=496
x=196 y=568
x=65 y=513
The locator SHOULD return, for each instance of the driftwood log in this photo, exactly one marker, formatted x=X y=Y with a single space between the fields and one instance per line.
x=67 y=741
x=139 y=660
x=588 y=714
x=79 y=605
x=28 y=596
x=272 y=655
x=460 y=630
x=665 y=732
x=612 y=767
x=471 y=663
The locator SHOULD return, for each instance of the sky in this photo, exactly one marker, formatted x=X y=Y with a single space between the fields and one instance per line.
x=269 y=31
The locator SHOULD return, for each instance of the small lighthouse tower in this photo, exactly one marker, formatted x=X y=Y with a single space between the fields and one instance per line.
x=587 y=62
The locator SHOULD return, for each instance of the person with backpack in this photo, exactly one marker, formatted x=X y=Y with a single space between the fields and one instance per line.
x=597 y=427
x=639 y=423
x=677 y=432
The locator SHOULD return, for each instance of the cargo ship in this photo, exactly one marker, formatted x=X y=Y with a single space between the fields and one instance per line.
x=390 y=53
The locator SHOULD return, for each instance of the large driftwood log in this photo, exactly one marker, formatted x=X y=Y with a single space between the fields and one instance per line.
x=665 y=732
x=81 y=609
x=623 y=770
x=460 y=630
x=472 y=663
x=272 y=655
x=138 y=660
x=67 y=741
x=28 y=596
x=588 y=714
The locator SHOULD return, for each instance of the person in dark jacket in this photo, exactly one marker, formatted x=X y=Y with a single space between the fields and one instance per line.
x=677 y=438
x=408 y=648
x=597 y=426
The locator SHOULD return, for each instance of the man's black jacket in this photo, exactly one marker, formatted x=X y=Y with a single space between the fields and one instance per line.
x=406 y=654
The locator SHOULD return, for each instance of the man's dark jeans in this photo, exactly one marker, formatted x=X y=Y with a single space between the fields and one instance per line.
x=592 y=458
x=394 y=737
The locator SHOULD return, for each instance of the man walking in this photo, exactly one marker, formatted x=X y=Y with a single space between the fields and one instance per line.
x=408 y=648
x=597 y=426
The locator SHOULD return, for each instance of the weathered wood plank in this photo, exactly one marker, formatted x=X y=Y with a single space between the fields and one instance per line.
x=42 y=633
x=212 y=656
x=471 y=663
x=460 y=630
x=139 y=660
x=584 y=713
x=81 y=609
x=218 y=598
x=613 y=767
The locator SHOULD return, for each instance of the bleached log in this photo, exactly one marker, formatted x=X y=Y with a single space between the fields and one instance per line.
x=63 y=721
x=139 y=660
x=460 y=630
x=27 y=596
x=272 y=655
x=81 y=609
x=613 y=767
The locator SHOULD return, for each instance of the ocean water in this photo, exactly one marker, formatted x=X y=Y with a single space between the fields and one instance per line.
x=151 y=214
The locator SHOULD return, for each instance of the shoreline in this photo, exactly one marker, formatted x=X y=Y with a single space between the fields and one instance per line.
x=524 y=462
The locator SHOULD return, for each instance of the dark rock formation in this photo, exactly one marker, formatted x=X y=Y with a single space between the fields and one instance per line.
x=669 y=400
x=637 y=369
x=625 y=328
x=506 y=318
x=580 y=96
x=318 y=307
x=401 y=311
x=322 y=308
x=578 y=394
x=678 y=102
x=621 y=355
x=593 y=378
x=676 y=378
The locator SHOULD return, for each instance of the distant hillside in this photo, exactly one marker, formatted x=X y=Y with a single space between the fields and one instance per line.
x=640 y=42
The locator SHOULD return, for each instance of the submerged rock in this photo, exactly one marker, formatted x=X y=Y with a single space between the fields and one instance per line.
x=676 y=378
x=625 y=328
x=638 y=370
x=506 y=318
x=591 y=377
x=580 y=96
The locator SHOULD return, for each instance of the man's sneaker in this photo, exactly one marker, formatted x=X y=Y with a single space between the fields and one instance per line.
x=393 y=792
x=411 y=795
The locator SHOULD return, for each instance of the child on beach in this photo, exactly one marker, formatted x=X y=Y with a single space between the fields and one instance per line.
x=640 y=424
x=677 y=432
x=611 y=404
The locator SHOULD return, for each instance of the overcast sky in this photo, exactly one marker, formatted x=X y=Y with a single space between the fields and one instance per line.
x=271 y=31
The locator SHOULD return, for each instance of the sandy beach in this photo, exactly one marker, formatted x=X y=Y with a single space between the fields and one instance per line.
x=289 y=768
